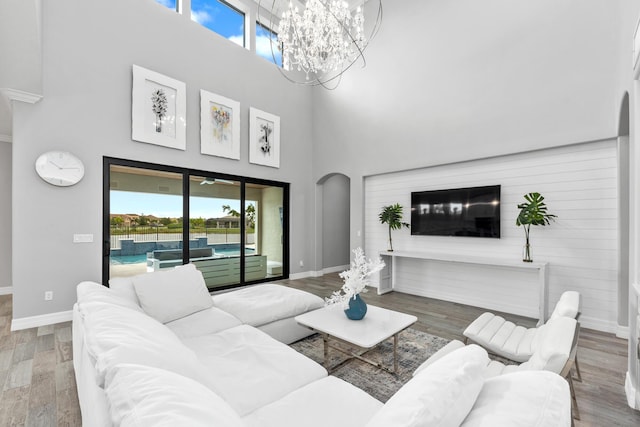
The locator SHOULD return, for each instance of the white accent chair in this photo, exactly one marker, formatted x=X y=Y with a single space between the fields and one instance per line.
x=554 y=352
x=504 y=338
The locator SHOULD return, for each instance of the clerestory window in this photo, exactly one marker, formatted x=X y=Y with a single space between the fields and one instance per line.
x=267 y=44
x=220 y=17
x=171 y=4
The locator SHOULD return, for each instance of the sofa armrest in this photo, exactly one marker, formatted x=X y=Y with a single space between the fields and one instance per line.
x=527 y=398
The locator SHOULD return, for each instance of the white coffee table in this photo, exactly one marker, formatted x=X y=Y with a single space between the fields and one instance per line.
x=378 y=325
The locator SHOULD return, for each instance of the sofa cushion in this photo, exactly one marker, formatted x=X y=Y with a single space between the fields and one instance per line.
x=440 y=395
x=95 y=292
x=115 y=335
x=262 y=304
x=203 y=322
x=249 y=369
x=344 y=406
x=141 y=396
x=172 y=294
x=540 y=399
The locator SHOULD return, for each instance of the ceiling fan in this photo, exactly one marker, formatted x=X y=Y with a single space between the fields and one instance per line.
x=211 y=181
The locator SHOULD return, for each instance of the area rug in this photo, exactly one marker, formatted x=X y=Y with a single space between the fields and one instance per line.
x=414 y=347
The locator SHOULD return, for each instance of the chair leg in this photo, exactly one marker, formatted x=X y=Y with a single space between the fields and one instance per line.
x=574 y=402
x=578 y=376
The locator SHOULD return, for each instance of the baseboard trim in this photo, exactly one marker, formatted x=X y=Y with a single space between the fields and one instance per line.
x=335 y=269
x=622 y=332
x=598 y=324
x=630 y=391
x=6 y=290
x=303 y=275
x=41 y=320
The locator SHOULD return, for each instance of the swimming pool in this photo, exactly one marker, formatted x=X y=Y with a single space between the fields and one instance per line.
x=227 y=250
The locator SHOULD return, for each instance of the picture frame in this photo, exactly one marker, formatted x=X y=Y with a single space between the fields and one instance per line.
x=158 y=109
x=264 y=138
x=219 y=126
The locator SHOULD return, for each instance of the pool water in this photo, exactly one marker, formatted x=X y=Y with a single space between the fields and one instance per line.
x=128 y=259
x=142 y=258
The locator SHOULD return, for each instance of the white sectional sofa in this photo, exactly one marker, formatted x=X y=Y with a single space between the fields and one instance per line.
x=159 y=352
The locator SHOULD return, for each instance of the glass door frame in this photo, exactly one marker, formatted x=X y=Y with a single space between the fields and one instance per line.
x=186 y=174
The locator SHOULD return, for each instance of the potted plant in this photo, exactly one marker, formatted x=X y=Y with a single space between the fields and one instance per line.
x=532 y=212
x=392 y=216
x=356 y=280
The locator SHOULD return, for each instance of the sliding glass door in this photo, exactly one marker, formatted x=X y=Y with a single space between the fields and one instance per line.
x=231 y=228
x=264 y=206
x=215 y=226
x=145 y=220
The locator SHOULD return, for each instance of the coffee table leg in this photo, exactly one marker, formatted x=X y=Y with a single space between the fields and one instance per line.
x=325 y=339
x=395 y=354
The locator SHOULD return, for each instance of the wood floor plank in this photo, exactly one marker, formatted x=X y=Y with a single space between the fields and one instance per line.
x=19 y=375
x=14 y=406
x=65 y=377
x=68 y=409
x=44 y=361
x=43 y=390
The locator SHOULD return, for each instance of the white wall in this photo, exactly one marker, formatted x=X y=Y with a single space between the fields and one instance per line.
x=89 y=48
x=448 y=81
x=5 y=215
x=579 y=184
x=21 y=52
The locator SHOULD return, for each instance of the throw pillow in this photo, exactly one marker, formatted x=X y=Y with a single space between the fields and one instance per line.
x=91 y=292
x=123 y=286
x=173 y=294
x=442 y=394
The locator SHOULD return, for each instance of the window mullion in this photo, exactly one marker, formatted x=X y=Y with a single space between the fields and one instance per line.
x=185 y=217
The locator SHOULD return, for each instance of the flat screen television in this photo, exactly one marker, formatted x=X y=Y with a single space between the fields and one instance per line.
x=472 y=212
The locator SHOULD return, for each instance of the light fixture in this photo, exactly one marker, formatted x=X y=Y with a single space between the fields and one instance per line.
x=211 y=181
x=321 y=42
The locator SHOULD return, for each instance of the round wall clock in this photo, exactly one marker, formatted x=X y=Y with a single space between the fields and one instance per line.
x=60 y=168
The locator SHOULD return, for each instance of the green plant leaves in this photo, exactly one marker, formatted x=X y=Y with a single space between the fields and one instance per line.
x=534 y=211
x=392 y=215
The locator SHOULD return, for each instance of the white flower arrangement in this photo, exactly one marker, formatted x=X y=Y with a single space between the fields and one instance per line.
x=355 y=279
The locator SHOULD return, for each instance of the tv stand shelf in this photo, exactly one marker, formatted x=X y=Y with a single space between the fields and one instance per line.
x=388 y=274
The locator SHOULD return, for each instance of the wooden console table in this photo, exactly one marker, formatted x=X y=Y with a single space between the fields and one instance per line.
x=388 y=274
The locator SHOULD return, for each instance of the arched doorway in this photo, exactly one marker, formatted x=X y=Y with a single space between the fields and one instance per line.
x=333 y=209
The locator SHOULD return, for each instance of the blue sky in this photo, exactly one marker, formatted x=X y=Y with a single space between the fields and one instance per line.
x=164 y=205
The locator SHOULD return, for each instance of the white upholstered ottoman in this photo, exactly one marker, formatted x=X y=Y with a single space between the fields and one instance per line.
x=270 y=308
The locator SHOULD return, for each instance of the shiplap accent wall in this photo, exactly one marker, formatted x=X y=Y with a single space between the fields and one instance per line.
x=579 y=183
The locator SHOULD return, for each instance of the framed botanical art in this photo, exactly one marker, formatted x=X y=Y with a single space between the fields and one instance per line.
x=219 y=126
x=158 y=109
x=264 y=138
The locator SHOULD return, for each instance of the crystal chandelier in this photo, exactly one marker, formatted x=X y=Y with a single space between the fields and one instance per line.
x=323 y=41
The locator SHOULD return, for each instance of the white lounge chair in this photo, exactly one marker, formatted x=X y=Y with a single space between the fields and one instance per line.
x=554 y=352
x=506 y=339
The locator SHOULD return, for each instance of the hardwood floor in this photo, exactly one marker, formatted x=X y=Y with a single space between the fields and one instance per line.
x=38 y=386
x=37 y=382
x=602 y=357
